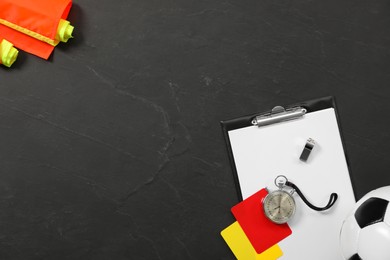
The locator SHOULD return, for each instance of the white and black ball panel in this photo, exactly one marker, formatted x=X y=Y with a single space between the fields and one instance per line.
x=376 y=207
x=355 y=257
x=383 y=193
x=387 y=215
x=349 y=237
x=374 y=242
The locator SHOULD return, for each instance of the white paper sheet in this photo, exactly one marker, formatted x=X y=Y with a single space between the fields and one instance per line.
x=261 y=154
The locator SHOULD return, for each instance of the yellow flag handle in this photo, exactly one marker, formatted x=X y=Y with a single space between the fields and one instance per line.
x=8 y=53
x=64 y=31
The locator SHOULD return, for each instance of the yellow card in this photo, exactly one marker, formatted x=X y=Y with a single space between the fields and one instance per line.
x=241 y=247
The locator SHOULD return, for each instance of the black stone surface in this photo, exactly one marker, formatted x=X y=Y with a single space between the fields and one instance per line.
x=112 y=149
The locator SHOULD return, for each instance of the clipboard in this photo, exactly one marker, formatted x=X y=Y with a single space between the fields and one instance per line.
x=262 y=146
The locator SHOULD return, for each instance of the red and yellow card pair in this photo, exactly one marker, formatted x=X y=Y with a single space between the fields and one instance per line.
x=253 y=235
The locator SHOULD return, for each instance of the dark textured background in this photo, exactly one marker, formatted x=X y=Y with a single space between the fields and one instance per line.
x=112 y=149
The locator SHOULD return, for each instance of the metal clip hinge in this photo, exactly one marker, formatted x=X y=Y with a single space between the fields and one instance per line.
x=278 y=114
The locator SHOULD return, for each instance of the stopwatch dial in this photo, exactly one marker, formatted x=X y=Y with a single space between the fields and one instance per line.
x=279 y=206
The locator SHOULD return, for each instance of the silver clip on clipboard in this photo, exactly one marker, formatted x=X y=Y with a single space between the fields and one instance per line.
x=278 y=114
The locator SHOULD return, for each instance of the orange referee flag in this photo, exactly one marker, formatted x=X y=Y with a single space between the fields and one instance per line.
x=32 y=25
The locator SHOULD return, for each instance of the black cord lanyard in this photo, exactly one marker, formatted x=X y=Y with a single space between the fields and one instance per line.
x=332 y=199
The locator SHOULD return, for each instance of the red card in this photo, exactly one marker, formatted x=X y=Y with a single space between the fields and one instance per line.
x=261 y=232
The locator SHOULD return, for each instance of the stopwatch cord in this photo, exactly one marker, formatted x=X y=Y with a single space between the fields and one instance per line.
x=332 y=199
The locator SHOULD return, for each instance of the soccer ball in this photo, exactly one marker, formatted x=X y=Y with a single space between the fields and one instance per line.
x=365 y=234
